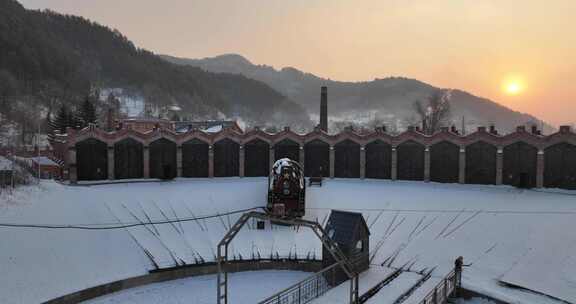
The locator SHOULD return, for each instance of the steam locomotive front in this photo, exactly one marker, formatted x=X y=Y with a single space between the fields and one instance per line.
x=286 y=189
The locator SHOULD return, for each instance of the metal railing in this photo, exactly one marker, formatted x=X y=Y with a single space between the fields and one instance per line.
x=307 y=290
x=443 y=291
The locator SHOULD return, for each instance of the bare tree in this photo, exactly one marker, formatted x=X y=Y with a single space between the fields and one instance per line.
x=434 y=112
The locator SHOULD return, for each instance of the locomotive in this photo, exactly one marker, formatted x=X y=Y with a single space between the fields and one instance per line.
x=287 y=189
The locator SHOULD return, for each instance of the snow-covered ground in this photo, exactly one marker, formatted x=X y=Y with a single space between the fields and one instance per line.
x=522 y=237
x=473 y=301
x=245 y=287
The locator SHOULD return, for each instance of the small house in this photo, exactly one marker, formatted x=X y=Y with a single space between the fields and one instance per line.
x=6 y=172
x=350 y=232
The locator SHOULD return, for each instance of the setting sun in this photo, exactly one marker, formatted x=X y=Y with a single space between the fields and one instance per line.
x=513 y=86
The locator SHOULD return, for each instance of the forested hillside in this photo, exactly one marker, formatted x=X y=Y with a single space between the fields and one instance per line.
x=387 y=100
x=48 y=59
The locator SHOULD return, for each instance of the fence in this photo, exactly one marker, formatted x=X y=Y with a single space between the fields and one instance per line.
x=307 y=290
x=443 y=290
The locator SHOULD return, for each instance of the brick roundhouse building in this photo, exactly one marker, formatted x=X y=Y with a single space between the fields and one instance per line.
x=521 y=158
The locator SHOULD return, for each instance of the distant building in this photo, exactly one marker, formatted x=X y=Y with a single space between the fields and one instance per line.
x=6 y=172
x=46 y=167
x=144 y=125
x=209 y=126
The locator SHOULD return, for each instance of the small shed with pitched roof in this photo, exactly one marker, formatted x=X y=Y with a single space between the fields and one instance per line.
x=350 y=232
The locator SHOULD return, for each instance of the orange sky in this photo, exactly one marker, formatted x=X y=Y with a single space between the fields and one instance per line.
x=466 y=44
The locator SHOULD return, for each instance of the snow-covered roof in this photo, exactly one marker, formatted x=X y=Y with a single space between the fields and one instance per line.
x=284 y=162
x=5 y=164
x=43 y=161
x=209 y=126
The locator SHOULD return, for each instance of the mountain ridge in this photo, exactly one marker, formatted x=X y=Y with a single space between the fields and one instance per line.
x=48 y=59
x=382 y=96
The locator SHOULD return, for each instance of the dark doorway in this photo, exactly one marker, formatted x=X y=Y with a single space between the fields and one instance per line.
x=378 y=160
x=226 y=158
x=287 y=149
x=560 y=166
x=411 y=161
x=444 y=162
x=317 y=161
x=195 y=158
x=257 y=158
x=520 y=165
x=128 y=159
x=163 y=159
x=92 y=160
x=347 y=159
x=481 y=163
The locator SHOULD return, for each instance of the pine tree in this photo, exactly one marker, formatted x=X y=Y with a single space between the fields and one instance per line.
x=51 y=126
x=87 y=113
x=63 y=119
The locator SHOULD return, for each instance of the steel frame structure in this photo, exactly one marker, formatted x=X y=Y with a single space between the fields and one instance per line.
x=337 y=254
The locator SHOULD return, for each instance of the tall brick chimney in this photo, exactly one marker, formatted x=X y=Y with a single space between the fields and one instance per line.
x=324 y=109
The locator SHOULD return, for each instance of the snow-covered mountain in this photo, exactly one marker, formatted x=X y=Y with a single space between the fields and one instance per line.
x=388 y=100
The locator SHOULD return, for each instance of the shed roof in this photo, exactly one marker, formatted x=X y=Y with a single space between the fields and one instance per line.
x=348 y=226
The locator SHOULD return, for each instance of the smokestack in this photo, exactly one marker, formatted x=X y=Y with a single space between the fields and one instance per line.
x=324 y=109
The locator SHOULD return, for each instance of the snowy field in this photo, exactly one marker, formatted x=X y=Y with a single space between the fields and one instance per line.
x=524 y=238
x=201 y=290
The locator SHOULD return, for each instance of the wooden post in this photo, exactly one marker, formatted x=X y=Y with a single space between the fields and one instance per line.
x=540 y=164
x=210 y=161
x=394 y=167
x=362 y=162
x=72 y=165
x=462 y=167
x=179 y=161
x=499 y=166
x=272 y=157
x=111 y=163
x=146 y=161
x=427 y=164
x=302 y=156
x=242 y=161
x=332 y=161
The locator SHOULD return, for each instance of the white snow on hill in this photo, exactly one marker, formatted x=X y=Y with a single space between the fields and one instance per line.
x=521 y=237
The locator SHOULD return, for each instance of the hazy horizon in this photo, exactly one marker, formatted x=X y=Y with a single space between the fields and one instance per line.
x=469 y=45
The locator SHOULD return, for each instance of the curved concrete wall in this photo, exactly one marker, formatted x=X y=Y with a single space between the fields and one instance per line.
x=184 y=272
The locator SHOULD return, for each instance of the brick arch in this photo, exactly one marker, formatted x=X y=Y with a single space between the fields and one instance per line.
x=481 y=165
x=91 y=159
x=411 y=160
x=257 y=157
x=195 y=158
x=347 y=159
x=128 y=159
x=444 y=162
x=317 y=160
x=163 y=158
x=287 y=148
x=560 y=166
x=226 y=158
x=379 y=160
x=519 y=166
